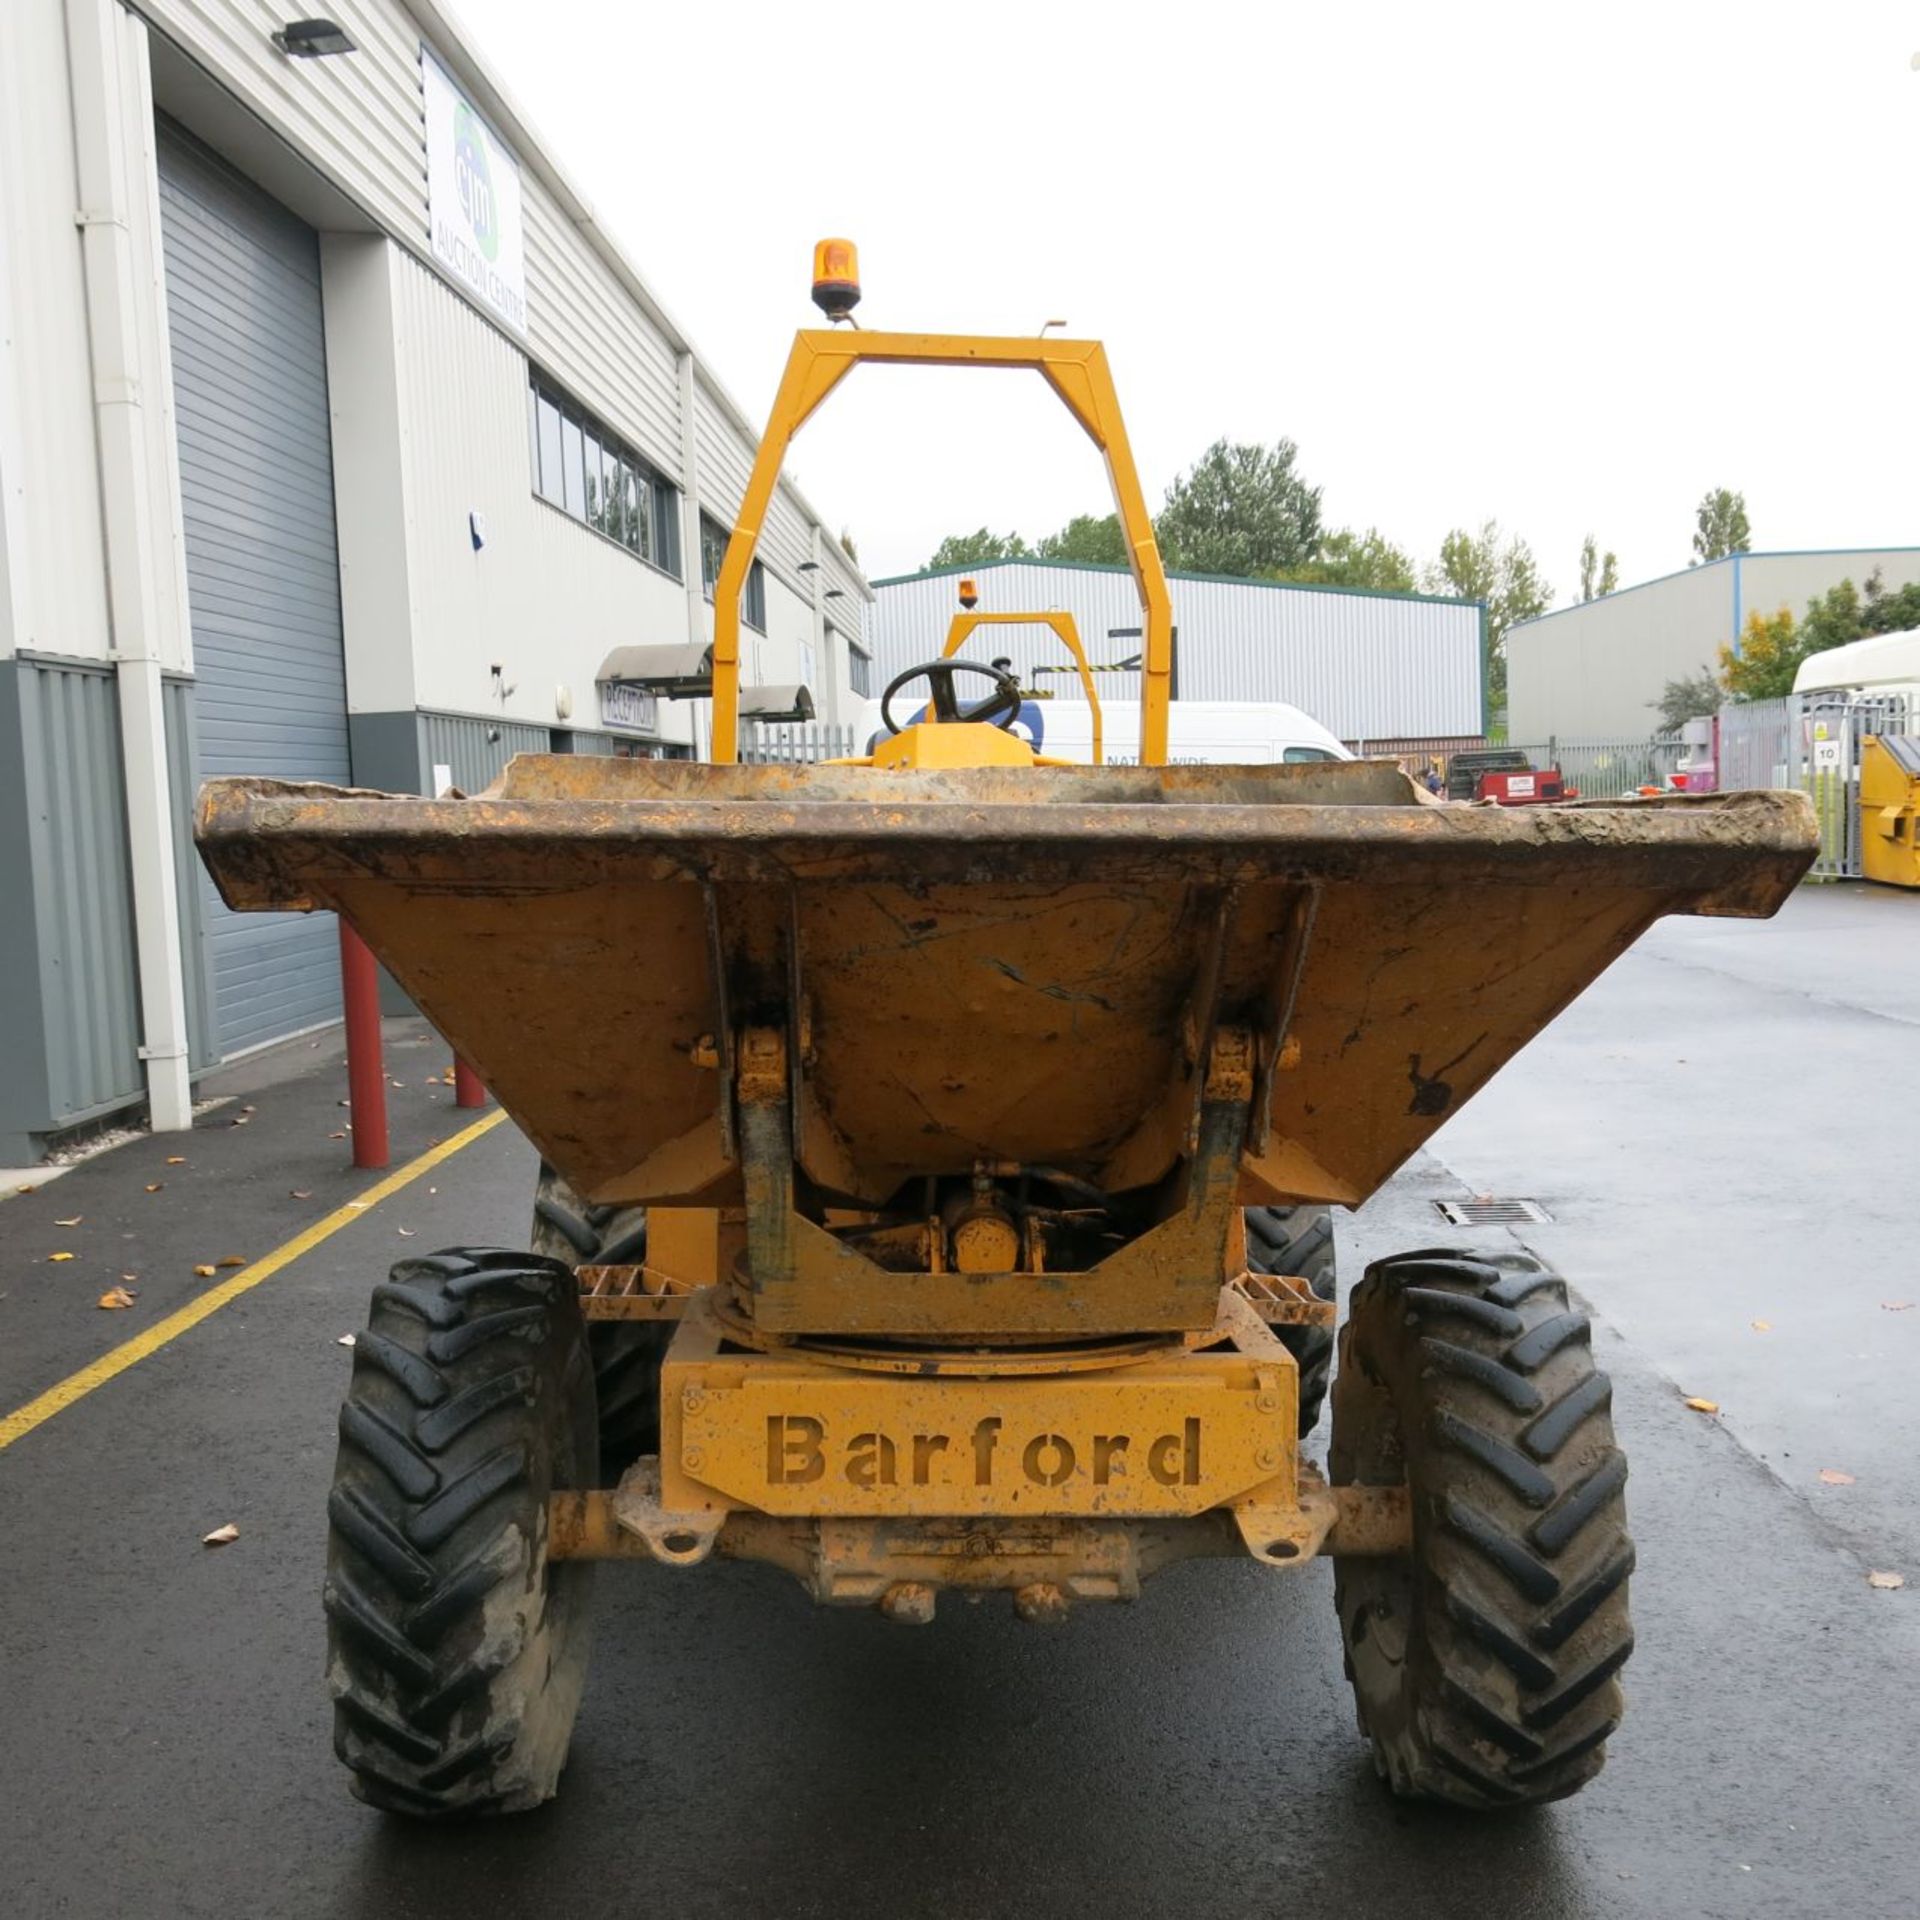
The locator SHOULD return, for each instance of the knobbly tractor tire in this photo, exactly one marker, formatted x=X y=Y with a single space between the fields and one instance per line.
x=1485 y=1664
x=1299 y=1241
x=455 y=1650
x=626 y=1354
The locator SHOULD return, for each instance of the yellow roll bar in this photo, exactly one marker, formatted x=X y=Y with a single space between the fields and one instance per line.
x=1062 y=623
x=1076 y=370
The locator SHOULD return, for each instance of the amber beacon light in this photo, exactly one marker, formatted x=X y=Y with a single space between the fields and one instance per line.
x=836 y=278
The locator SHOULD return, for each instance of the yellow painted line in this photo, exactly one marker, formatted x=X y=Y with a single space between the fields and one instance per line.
x=97 y=1373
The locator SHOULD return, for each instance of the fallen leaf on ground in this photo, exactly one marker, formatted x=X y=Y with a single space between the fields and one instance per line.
x=397 y=1083
x=433 y=1189
x=1886 y=1306
x=336 y=1136
x=301 y=1193
x=405 y=1233
x=249 y=1109
x=232 y=1260
x=129 y=1277
x=1763 y=1326
x=343 y=1103
x=59 y=1256
x=23 y=1189
x=115 y=1297
x=345 y=1340
x=1703 y=1406
x=1886 y=1582
x=1833 y=1477
x=154 y=1186
x=205 y=1273
x=238 y=1120
x=221 y=1536
x=359 y=1203
x=74 y=1222
x=176 y=1159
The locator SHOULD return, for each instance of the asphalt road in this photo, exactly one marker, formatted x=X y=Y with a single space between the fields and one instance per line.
x=740 y=1753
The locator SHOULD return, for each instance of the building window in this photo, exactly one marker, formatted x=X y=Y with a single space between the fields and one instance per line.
x=713 y=551
x=587 y=471
x=713 y=554
x=859 y=671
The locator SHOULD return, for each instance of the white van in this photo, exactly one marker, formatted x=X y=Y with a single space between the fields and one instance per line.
x=1882 y=666
x=1233 y=733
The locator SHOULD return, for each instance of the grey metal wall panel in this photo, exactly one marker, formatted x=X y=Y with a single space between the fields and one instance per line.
x=1368 y=666
x=462 y=744
x=263 y=583
x=77 y=830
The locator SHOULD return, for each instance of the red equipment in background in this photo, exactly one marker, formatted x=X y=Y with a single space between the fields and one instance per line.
x=1534 y=788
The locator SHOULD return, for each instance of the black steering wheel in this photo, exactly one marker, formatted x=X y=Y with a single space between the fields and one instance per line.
x=1001 y=706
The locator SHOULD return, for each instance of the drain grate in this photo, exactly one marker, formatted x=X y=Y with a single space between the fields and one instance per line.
x=1485 y=1211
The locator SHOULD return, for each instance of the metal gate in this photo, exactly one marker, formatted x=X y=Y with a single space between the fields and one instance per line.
x=263 y=574
x=1812 y=741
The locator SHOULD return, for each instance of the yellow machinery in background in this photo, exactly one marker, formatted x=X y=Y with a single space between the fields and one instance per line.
x=1890 y=809
x=1008 y=694
x=921 y=1137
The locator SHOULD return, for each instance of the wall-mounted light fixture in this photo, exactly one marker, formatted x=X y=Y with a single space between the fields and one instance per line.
x=809 y=566
x=313 y=39
x=835 y=593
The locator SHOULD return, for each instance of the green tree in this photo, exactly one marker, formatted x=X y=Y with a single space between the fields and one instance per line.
x=1350 y=559
x=1720 y=526
x=1599 y=573
x=1501 y=570
x=1691 y=698
x=1093 y=540
x=1770 y=655
x=974 y=549
x=1241 y=510
x=1845 y=612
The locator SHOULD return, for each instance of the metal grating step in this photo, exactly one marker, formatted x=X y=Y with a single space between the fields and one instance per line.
x=1485 y=1211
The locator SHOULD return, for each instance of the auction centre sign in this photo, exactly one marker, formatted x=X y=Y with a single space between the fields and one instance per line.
x=473 y=199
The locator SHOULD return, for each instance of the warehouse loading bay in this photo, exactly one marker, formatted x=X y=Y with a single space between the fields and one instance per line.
x=1736 y=1211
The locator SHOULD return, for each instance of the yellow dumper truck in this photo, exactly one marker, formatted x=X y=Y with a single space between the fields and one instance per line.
x=937 y=1149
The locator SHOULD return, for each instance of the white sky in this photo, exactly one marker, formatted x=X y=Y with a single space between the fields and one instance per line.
x=1568 y=267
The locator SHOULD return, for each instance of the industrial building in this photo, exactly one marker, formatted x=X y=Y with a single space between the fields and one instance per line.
x=1374 y=668
x=1597 y=670
x=338 y=441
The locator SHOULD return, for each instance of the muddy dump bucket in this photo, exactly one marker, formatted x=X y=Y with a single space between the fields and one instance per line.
x=990 y=963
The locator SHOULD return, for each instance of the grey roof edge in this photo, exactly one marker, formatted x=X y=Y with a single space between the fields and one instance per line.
x=451 y=43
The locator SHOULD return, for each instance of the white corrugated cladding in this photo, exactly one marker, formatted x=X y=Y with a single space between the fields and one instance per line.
x=848 y=614
x=56 y=588
x=360 y=120
x=726 y=463
x=548 y=592
x=1367 y=666
x=588 y=333
x=591 y=322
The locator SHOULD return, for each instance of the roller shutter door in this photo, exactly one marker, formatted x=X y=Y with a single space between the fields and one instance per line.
x=263 y=574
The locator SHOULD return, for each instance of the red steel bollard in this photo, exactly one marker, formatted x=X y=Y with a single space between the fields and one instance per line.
x=366 y=1072
x=468 y=1088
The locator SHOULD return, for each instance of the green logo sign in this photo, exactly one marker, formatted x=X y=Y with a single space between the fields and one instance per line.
x=475 y=179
